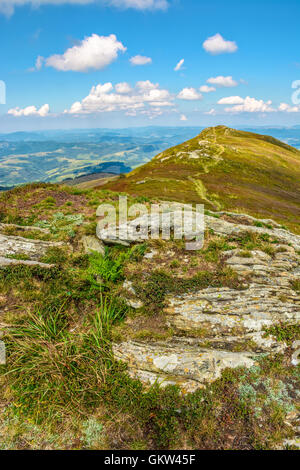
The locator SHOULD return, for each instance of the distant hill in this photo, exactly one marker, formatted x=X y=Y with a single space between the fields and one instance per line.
x=52 y=156
x=81 y=180
x=225 y=169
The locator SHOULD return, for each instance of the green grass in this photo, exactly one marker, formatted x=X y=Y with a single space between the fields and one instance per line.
x=296 y=285
x=53 y=370
x=283 y=332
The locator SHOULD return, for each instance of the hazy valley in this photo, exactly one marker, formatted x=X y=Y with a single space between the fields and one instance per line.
x=53 y=156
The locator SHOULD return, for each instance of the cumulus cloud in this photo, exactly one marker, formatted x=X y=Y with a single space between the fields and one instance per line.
x=250 y=105
x=211 y=112
x=218 y=45
x=146 y=97
x=139 y=4
x=140 y=60
x=179 y=65
x=30 y=111
x=231 y=100
x=8 y=6
x=221 y=81
x=189 y=94
x=183 y=117
x=123 y=88
x=287 y=108
x=207 y=89
x=93 y=52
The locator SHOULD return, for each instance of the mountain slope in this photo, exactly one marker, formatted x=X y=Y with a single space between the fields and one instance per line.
x=225 y=169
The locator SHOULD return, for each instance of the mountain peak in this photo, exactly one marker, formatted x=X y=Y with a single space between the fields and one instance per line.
x=225 y=169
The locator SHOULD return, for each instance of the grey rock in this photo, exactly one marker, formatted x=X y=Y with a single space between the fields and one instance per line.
x=34 y=249
x=4 y=262
x=136 y=304
x=216 y=328
x=128 y=286
x=151 y=254
x=92 y=244
x=186 y=365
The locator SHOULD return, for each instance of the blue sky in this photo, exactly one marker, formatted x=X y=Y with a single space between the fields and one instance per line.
x=111 y=63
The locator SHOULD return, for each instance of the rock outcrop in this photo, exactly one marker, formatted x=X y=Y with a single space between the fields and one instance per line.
x=128 y=233
x=14 y=248
x=216 y=328
x=34 y=249
x=92 y=244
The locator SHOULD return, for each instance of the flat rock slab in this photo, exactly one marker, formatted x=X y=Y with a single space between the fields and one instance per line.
x=280 y=269
x=222 y=227
x=24 y=228
x=221 y=311
x=182 y=364
x=4 y=262
x=127 y=232
x=34 y=249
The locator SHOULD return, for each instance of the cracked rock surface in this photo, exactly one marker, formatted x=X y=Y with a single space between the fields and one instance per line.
x=216 y=328
x=33 y=249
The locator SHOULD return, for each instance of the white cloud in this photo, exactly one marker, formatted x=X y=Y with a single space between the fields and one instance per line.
x=39 y=62
x=146 y=97
x=140 y=60
x=139 y=4
x=251 y=105
x=123 y=87
x=221 y=81
x=30 y=111
x=207 y=89
x=218 y=45
x=211 y=112
x=179 y=65
x=231 y=100
x=189 y=94
x=183 y=117
x=286 y=108
x=93 y=52
x=147 y=85
x=8 y=6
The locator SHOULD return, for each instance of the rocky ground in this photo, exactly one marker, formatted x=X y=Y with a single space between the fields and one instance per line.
x=193 y=316
x=230 y=323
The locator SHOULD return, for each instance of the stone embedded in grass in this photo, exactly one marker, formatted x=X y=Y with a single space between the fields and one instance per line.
x=5 y=262
x=91 y=244
x=34 y=249
x=176 y=363
x=136 y=304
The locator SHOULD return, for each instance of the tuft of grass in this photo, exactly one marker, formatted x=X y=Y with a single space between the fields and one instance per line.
x=53 y=370
x=19 y=256
x=284 y=332
x=296 y=285
x=215 y=248
x=245 y=254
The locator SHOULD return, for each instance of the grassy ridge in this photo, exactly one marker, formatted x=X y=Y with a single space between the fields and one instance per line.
x=225 y=169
